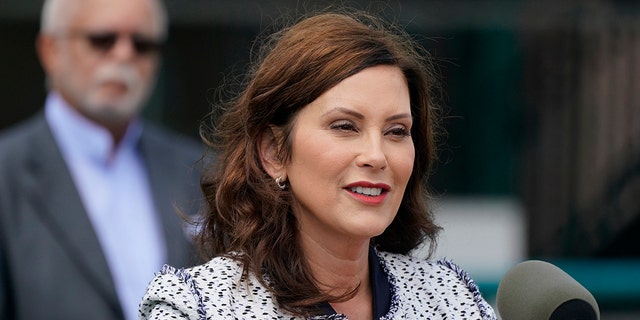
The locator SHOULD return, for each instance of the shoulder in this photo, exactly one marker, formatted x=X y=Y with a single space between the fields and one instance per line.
x=214 y=288
x=416 y=271
x=442 y=283
x=219 y=272
x=404 y=266
x=14 y=137
x=183 y=291
x=169 y=153
x=23 y=144
x=172 y=292
x=155 y=136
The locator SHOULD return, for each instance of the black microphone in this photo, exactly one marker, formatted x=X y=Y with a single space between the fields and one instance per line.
x=538 y=290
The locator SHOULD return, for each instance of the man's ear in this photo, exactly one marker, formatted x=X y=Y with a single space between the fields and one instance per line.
x=269 y=147
x=47 y=51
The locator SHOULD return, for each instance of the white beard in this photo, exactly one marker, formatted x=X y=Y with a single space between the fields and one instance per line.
x=97 y=102
x=111 y=108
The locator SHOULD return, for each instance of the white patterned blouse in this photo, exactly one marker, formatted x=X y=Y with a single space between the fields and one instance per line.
x=216 y=290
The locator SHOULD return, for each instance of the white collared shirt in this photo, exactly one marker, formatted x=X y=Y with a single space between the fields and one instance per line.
x=116 y=194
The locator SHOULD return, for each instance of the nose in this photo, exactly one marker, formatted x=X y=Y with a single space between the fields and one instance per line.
x=372 y=153
x=123 y=49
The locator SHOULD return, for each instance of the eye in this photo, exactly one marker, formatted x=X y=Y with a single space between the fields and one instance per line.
x=399 y=132
x=343 y=125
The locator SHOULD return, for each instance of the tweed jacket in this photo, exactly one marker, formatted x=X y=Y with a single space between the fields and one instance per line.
x=216 y=290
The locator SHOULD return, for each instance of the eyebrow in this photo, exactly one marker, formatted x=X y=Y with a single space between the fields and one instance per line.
x=361 y=116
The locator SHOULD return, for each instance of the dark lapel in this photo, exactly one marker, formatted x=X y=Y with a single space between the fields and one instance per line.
x=62 y=211
x=173 y=184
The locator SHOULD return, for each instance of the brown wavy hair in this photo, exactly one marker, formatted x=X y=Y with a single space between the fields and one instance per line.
x=247 y=214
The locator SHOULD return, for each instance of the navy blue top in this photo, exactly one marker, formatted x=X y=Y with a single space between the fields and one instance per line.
x=380 y=287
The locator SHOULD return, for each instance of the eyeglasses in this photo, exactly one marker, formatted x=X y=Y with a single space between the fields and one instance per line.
x=105 y=41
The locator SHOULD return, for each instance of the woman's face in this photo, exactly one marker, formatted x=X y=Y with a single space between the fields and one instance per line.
x=352 y=156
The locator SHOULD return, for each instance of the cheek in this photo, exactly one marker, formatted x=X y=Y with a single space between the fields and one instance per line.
x=402 y=162
x=82 y=59
x=319 y=154
x=75 y=73
x=147 y=67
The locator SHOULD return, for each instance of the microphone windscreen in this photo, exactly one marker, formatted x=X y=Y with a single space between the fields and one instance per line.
x=538 y=290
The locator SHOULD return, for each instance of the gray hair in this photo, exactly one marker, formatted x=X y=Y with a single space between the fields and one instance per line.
x=56 y=14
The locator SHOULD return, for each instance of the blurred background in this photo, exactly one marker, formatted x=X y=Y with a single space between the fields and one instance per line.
x=542 y=103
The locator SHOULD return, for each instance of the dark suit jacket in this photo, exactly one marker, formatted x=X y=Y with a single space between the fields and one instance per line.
x=51 y=264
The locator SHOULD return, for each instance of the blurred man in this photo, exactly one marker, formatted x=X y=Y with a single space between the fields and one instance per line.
x=87 y=191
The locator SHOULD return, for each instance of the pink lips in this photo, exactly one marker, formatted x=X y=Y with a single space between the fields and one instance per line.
x=373 y=198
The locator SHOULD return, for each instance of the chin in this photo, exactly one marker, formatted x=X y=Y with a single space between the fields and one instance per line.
x=123 y=108
x=370 y=230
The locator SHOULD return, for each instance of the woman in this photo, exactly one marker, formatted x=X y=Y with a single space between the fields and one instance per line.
x=318 y=193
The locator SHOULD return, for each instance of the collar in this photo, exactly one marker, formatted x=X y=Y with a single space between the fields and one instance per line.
x=81 y=137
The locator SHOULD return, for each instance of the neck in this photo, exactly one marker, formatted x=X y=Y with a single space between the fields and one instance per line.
x=117 y=133
x=340 y=268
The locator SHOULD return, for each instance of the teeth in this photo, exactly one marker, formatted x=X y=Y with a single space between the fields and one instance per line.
x=367 y=191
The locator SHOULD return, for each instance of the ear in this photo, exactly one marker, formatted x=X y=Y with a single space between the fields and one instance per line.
x=47 y=50
x=268 y=148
